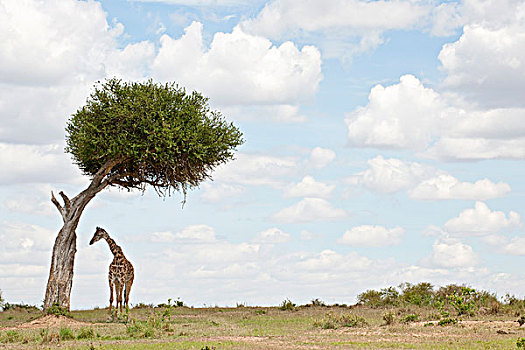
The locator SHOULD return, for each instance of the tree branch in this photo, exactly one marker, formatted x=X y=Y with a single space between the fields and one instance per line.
x=67 y=203
x=59 y=207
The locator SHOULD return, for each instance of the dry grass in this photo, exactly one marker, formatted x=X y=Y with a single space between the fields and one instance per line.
x=258 y=328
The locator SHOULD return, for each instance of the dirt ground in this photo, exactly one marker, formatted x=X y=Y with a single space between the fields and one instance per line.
x=254 y=328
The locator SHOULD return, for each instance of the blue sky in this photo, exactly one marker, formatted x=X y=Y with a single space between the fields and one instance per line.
x=384 y=144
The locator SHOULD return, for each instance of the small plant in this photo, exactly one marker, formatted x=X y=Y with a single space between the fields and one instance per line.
x=66 y=334
x=57 y=310
x=332 y=321
x=287 y=305
x=86 y=333
x=388 y=318
x=142 y=305
x=411 y=318
x=12 y=336
x=208 y=348
x=464 y=301
x=317 y=302
x=140 y=329
x=447 y=322
x=260 y=312
x=520 y=343
x=521 y=320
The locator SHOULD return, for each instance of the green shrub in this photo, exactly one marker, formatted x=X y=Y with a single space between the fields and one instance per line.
x=142 y=305
x=384 y=297
x=520 y=343
x=86 y=333
x=411 y=318
x=447 y=322
x=140 y=329
x=421 y=294
x=57 y=310
x=287 y=305
x=388 y=318
x=317 y=302
x=464 y=301
x=12 y=336
x=333 y=321
x=66 y=334
x=370 y=298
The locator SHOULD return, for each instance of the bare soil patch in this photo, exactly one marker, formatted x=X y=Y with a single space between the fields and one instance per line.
x=50 y=321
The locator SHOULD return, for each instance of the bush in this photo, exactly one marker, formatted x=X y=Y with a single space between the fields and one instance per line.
x=520 y=343
x=411 y=318
x=370 y=298
x=57 y=310
x=86 y=333
x=142 y=305
x=388 y=318
x=385 y=297
x=332 y=321
x=287 y=305
x=317 y=302
x=447 y=322
x=66 y=334
x=464 y=301
x=421 y=294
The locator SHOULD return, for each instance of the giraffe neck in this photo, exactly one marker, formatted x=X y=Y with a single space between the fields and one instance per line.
x=114 y=247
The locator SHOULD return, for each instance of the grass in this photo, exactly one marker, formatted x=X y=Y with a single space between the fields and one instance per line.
x=315 y=326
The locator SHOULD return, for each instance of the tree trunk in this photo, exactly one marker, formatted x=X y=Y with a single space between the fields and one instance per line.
x=60 y=282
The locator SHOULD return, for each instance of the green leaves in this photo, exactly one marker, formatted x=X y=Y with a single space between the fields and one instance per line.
x=161 y=135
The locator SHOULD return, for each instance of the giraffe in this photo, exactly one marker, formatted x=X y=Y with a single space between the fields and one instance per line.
x=120 y=274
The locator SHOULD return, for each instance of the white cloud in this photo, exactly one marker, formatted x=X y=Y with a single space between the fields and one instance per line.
x=453 y=253
x=35 y=164
x=321 y=157
x=192 y=233
x=32 y=199
x=51 y=54
x=309 y=236
x=505 y=245
x=354 y=25
x=457 y=148
x=219 y=192
x=446 y=19
x=256 y=169
x=423 y=182
x=486 y=65
x=283 y=113
x=43 y=45
x=391 y=175
x=25 y=243
x=410 y=116
x=203 y=2
x=372 y=236
x=445 y=186
x=132 y=62
x=308 y=187
x=404 y=115
x=282 y=75
x=481 y=221
x=272 y=236
x=308 y=210
x=329 y=260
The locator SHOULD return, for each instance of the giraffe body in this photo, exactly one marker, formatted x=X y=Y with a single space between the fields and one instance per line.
x=121 y=272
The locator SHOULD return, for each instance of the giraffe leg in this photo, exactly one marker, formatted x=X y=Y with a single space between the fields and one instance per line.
x=126 y=292
x=119 y=297
x=110 y=296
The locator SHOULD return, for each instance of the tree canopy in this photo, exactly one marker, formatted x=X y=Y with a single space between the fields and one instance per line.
x=151 y=133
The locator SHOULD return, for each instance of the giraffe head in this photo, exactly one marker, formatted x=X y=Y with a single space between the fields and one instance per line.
x=100 y=233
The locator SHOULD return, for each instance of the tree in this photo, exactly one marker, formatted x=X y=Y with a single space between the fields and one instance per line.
x=132 y=135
